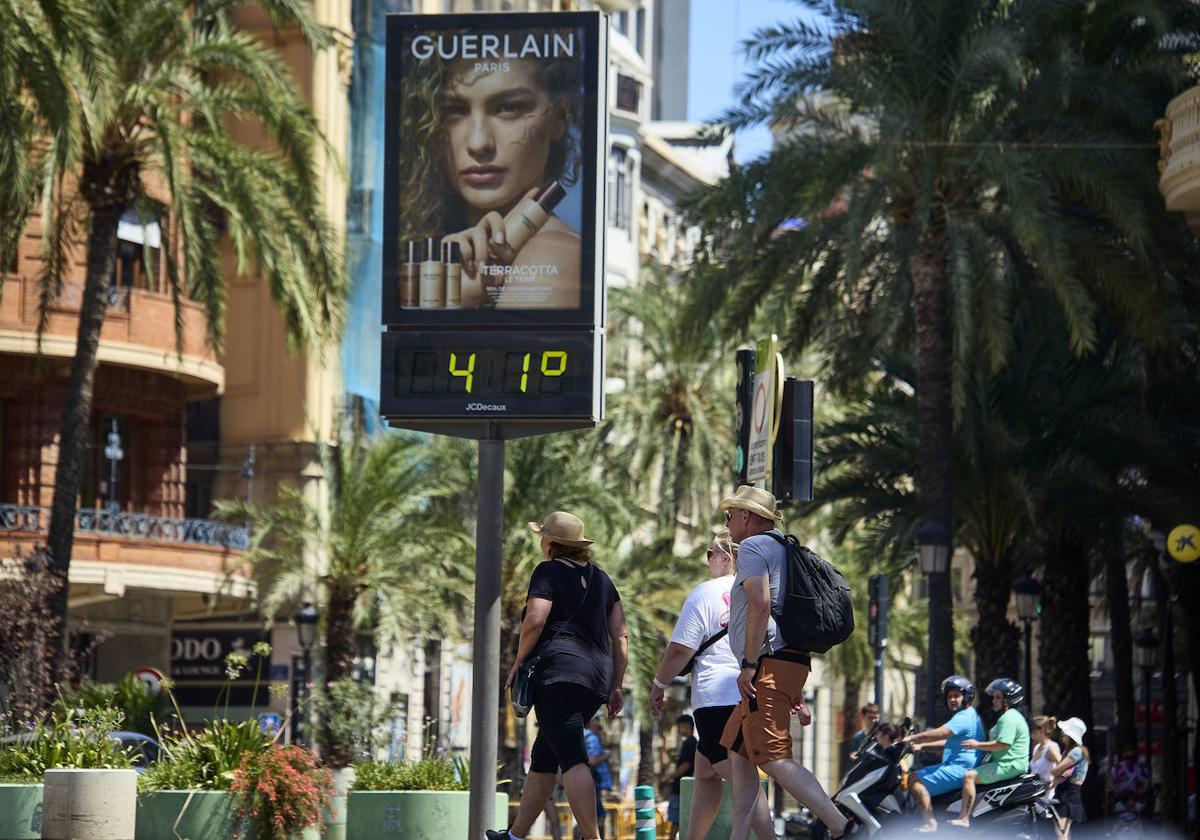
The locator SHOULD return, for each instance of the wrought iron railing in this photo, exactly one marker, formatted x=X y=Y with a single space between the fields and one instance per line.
x=136 y=526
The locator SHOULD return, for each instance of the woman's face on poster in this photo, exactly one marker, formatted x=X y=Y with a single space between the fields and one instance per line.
x=501 y=124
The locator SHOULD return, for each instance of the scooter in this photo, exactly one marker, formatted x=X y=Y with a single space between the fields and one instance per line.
x=871 y=794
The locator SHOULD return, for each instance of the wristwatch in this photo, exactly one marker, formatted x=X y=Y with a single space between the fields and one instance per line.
x=658 y=684
x=746 y=663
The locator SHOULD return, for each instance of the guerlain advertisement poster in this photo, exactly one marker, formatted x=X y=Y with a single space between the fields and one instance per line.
x=493 y=177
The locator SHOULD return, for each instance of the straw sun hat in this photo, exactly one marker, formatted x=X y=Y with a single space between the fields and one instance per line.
x=561 y=527
x=754 y=499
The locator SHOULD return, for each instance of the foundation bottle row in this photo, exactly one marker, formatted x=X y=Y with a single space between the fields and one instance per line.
x=431 y=275
x=431 y=268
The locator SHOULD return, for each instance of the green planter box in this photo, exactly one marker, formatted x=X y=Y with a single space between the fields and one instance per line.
x=20 y=812
x=722 y=825
x=208 y=816
x=413 y=814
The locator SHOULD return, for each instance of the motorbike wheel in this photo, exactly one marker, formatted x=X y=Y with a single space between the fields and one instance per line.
x=818 y=831
x=1038 y=827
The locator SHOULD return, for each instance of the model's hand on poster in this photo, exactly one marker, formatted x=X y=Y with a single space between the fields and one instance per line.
x=474 y=241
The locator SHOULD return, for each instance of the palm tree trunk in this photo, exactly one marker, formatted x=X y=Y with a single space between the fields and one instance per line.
x=645 y=772
x=852 y=695
x=339 y=664
x=995 y=639
x=1063 y=636
x=935 y=422
x=1187 y=579
x=105 y=189
x=1174 y=774
x=1116 y=589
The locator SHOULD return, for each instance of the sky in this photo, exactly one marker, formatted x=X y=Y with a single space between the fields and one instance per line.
x=716 y=63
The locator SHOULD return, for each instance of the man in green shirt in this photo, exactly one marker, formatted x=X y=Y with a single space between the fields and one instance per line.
x=1008 y=743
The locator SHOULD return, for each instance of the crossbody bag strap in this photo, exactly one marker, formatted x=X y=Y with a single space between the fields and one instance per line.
x=709 y=642
x=712 y=640
x=586 y=592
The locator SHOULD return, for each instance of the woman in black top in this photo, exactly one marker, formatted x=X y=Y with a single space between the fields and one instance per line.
x=575 y=606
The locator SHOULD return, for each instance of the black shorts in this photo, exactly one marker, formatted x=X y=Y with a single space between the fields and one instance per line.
x=563 y=710
x=1070 y=801
x=710 y=723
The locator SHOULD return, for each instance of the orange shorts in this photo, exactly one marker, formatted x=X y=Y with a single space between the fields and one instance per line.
x=760 y=727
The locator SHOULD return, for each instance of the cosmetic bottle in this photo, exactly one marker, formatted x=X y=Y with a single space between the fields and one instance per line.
x=524 y=221
x=452 y=267
x=433 y=277
x=410 y=275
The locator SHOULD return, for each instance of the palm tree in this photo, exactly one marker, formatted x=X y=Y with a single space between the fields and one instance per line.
x=671 y=436
x=51 y=71
x=893 y=214
x=394 y=563
x=182 y=76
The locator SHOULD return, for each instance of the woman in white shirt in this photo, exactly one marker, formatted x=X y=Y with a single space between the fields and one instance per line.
x=1046 y=752
x=699 y=639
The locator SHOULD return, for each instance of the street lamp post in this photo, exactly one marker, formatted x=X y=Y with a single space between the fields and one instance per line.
x=933 y=538
x=248 y=472
x=1146 y=644
x=1027 y=591
x=115 y=454
x=306 y=619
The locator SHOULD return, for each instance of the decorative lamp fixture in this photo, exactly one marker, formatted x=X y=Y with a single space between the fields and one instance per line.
x=1027 y=591
x=934 y=541
x=1146 y=645
x=306 y=619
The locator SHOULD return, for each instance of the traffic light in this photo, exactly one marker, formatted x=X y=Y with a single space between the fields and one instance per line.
x=877 y=619
x=792 y=470
x=745 y=402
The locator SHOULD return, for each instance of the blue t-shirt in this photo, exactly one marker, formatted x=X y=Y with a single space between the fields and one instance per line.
x=965 y=725
x=601 y=775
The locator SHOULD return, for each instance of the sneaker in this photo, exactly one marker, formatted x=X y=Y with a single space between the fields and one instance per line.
x=494 y=834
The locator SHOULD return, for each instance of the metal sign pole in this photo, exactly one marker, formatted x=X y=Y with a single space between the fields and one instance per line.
x=485 y=677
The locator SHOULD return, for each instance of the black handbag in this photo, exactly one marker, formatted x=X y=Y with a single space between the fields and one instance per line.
x=521 y=694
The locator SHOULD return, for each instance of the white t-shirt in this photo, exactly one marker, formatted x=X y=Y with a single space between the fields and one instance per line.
x=705 y=613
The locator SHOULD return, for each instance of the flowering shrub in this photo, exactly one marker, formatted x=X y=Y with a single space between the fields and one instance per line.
x=281 y=791
x=207 y=759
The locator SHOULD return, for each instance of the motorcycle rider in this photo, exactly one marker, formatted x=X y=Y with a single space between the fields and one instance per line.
x=1008 y=744
x=963 y=725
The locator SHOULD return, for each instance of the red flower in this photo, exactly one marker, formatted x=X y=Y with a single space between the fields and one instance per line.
x=281 y=792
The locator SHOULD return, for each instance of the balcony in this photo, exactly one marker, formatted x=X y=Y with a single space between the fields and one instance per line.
x=1179 y=142
x=132 y=526
x=138 y=332
x=115 y=549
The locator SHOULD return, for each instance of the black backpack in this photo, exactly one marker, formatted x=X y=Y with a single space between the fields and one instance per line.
x=818 y=612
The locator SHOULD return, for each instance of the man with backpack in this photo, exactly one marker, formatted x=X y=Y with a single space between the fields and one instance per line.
x=774 y=669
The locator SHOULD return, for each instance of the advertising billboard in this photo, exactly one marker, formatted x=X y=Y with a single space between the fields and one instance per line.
x=494 y=167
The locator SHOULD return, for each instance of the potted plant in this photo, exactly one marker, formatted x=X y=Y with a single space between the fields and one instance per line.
x=68 y=741
x=415 y=800
x=189 y=790
x=20 y=808
x=231 y=779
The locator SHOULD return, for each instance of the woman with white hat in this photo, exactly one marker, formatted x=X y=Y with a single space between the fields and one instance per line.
x=1077 y=760
x=575 y=625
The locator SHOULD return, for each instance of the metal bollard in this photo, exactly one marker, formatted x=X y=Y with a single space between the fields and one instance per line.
x=646 y=816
